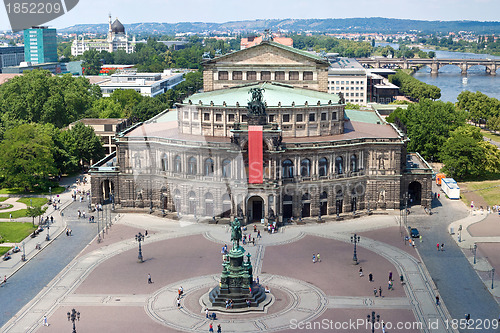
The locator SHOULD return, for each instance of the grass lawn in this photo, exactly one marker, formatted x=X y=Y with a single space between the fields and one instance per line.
x=20 y=190
x=489 y=190
x=492 y=136
x=15 y=214
x=2 y=199
x=35 y=201
x=4 y=249
x=15 y=232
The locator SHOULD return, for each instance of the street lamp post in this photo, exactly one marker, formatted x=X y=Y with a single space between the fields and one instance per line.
x=140 y=238
x=355 y=239
x=372 y=318
x=50 y=194
x=475 y=249
x=48 y=234
x=98 y=230
x=113 y=200
x=23 y=258
x=492 y=277
x=73 y=316
x=460 y=233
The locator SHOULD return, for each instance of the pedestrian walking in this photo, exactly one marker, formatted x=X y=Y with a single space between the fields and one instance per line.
x=258 y=234
x=437 y=245
x=219 y=329
x=360 y=271
x=10 y=216
x=383 y=327
x=437 y=300
x=45 y=323
x=178 y=302
x=4 y=279
x=206 y=313
x=390 y=285
x=314 y=258
x=375 y=292
x=318 y=259
x=370 y=277
x=390 y=276
x=420 y=237
x=402 y=279
x=442 y=247
x=211 y=328
x=439 y=195
x=149 y=279
x=380 y=291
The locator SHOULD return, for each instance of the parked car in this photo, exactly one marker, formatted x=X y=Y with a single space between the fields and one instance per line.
x=414 y=233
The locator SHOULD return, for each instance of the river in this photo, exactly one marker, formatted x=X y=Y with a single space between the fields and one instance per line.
x=450 y=80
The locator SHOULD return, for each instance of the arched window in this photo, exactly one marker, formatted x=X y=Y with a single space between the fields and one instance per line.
x=306 y=197
x=192 y=202
x=287 y=198
x=192 y=166
x=287 y=169
x=177 y=164
x=305 y=168
x=354 y=163
x=323 y=167
x=209 y=167
x=209 y=204
x=226 y=169
x=339 y=165
x=164 y=162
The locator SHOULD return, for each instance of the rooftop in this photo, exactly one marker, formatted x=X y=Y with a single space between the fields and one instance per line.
x=364 y=116
x=273 y=94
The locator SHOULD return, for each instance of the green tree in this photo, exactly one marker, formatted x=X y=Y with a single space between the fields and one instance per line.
x=82 y=144
x=91 y=62
x=35 y=212
x=106 y=108
x=127 y=99
x=27 y=160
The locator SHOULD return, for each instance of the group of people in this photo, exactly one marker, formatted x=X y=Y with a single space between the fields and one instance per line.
x=440 y=247
x=229 y=304
x=180 y=292
x=316 y=258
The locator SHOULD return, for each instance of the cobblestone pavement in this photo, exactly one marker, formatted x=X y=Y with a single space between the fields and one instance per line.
x=43 y=265
x=459 y=285
x=108 y=277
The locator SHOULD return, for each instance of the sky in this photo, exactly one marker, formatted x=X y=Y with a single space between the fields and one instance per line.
x=171 y=11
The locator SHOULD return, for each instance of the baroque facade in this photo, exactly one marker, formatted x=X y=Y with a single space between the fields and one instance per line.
x=117 y=39
x=318 y=158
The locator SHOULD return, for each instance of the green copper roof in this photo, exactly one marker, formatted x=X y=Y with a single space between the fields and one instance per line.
x=369 y=117
x=274 y=93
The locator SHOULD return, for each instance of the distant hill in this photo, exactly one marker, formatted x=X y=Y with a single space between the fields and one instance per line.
x=366 y=25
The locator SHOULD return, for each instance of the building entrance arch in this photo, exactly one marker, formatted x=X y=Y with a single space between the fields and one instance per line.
x=107 y=190
x=255 y=208
x=415 y=193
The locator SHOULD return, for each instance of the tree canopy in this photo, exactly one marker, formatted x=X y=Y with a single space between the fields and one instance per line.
x=414 y=88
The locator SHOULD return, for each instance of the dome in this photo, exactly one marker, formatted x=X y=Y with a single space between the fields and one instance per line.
x=117 y=27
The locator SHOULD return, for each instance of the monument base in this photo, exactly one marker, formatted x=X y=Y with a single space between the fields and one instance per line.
x=239 y=296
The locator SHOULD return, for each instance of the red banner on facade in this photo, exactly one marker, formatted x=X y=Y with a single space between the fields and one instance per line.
x=255 y=155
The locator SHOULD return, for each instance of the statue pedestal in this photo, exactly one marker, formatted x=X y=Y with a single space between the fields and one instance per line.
x=236 y=283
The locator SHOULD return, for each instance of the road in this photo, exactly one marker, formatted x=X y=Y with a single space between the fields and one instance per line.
x=38 y=272
x=458 y=283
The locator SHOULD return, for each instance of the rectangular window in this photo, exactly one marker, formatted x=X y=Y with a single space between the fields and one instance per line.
x=195 y=116
x=357 y=94
x=237 y=75
x=323 y=116
x=218 y=117
x=346 y=81
x=223 y=75
x=265 y=76
x=312 y=117
x=361 y=94
x=357 y=82
x=108 y=128
x=286 y=118
x=299 y=118
x=244 y=118
x=186 y=115
x=352 y=82
x=279 y=76
x=308 y=76
x=230 y=117
x=334 y=115
x=251 y=75
x=337 y=82
x=293 y=75
x=271 y=118
x=206 y=116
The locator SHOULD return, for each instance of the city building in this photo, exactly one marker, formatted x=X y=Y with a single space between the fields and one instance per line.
x=72 y=67
x=348 y=77
x=40 y=45
x=263 y=150
x=267 y=61
x=379 y=89
x=105 y=129
x=11 y=56
x=117 y=39
x=147 y=84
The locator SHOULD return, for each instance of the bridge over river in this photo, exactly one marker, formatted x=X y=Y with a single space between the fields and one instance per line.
x=490 y=65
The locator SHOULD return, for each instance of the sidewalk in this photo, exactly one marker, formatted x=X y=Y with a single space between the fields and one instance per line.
x=32 y=246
